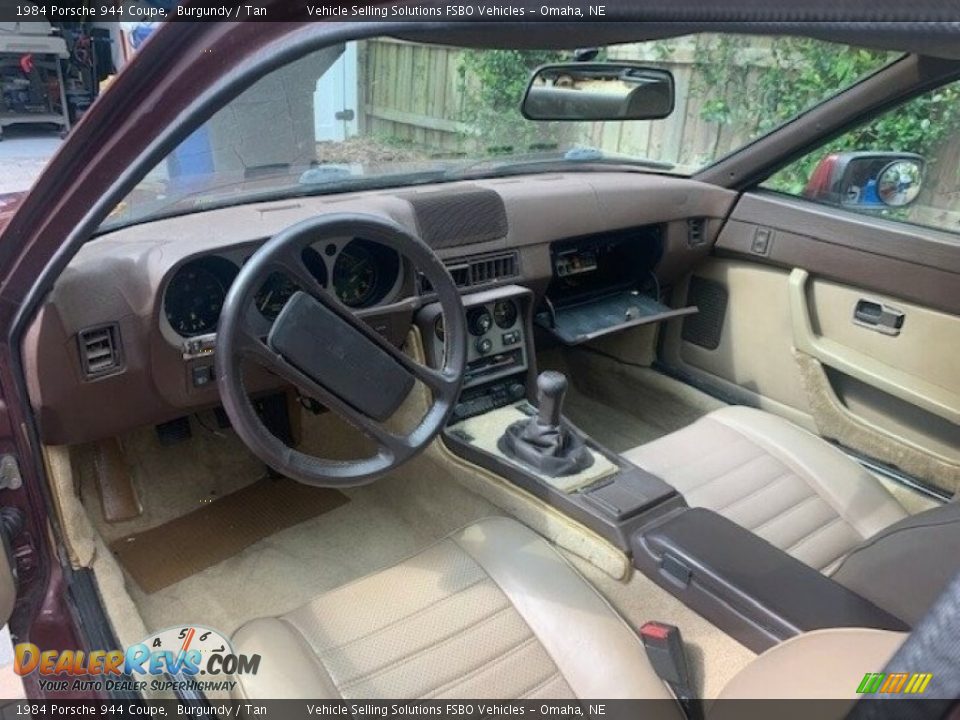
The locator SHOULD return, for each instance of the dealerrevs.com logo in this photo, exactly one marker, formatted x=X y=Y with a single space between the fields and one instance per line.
x=179 y=658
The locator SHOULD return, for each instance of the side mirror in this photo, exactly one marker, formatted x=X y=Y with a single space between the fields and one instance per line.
x=598 y=91
x=866 y=180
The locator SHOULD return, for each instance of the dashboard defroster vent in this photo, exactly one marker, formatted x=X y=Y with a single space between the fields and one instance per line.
x=478 y=270
x=100 y=350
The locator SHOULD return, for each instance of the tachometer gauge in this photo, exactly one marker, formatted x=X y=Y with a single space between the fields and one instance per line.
x=193 y=300
x=274 y=295
x=505 y=314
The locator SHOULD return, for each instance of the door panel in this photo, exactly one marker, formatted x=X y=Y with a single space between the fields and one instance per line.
x=904 y=261
x=847 y=322
x=753 y=361
x=917 y=365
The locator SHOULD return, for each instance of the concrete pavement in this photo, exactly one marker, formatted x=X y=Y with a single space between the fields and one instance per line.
x=24 y=151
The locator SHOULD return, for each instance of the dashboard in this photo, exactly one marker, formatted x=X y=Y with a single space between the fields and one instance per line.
x=360 y=273
x=127 y=336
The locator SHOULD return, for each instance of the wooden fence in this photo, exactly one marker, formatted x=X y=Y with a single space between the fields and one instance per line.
x=395 y=105
x=432 y=115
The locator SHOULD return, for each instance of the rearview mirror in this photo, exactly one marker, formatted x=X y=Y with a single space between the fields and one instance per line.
x=867 y=180
x=598 y=91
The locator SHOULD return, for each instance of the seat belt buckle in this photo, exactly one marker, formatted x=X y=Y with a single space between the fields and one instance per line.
x=664 y=646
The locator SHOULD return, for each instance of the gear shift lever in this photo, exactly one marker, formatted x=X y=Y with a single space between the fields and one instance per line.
x=551 y=388
x=541 y=441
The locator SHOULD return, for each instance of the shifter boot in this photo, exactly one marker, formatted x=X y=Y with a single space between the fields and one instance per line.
x=552 y=451
x=541 y=441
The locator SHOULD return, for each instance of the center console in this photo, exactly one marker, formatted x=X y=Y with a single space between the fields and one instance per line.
x=499 y=348
x=502 y=398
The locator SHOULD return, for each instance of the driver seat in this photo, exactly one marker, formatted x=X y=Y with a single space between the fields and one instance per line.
x=493 y=611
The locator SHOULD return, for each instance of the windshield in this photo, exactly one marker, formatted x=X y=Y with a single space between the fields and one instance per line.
x=385 y=112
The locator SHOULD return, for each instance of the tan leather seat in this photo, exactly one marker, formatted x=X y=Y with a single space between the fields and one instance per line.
x=823 y=664
x=492 y=611
x=775 y=479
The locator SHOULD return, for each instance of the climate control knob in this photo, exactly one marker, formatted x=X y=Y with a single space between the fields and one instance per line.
x=484 y=345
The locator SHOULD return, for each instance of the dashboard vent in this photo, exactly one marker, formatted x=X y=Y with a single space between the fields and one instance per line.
x=100 y=350
x=696 y=231
x=479 y=270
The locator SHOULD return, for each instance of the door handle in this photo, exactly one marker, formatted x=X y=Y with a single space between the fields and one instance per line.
x=879 y=317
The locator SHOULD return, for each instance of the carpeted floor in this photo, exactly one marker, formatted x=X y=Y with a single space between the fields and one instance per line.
x=621 y=405
x=165 y=555
x=380 y=525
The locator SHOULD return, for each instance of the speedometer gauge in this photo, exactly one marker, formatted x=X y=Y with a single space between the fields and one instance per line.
x=193 y=300
x=364 y=273
x=355 y=276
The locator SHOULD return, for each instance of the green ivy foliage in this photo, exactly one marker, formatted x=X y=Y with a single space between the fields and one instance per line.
x=493 y=83
x=756 y=89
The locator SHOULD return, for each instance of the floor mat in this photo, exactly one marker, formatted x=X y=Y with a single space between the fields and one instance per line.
x=168 y=553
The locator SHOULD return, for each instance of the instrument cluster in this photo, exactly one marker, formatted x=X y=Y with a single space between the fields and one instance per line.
x=361 y=273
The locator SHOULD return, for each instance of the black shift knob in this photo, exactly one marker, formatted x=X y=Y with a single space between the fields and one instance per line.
x=551 y=387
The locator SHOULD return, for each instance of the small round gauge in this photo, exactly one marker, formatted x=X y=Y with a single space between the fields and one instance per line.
x=505 y=314
x=193 y=300
x=192 y=644
x=438 y=327
x=364 y=273
x=274 y=294
x=479 y=321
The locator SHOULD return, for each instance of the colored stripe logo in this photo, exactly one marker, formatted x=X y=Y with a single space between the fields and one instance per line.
x=893 y=683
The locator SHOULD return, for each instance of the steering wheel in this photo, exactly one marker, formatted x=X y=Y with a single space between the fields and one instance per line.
x=322 y=348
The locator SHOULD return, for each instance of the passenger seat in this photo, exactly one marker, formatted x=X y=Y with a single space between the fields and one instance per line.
x=806 y=497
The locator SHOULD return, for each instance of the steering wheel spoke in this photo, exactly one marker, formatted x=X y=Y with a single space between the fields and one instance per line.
x=253 y=348
x=293 y=265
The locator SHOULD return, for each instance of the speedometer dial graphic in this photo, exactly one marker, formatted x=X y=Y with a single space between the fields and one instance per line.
x=204 y=642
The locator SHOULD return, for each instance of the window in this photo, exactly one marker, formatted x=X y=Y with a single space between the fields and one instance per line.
x=911 y=153
x=386 y=113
